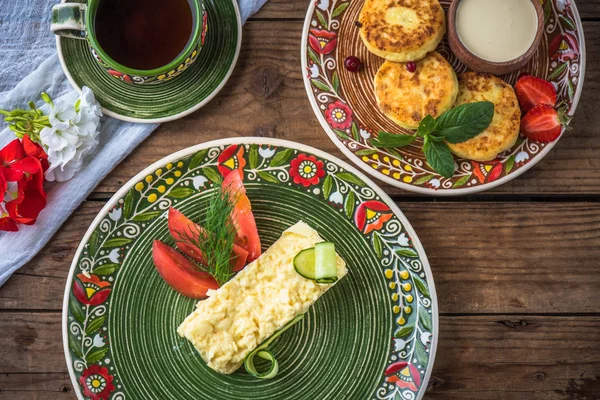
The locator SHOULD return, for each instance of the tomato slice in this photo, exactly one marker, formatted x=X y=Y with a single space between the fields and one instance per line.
x=184 y=230
x=242 y=217
x=180 y=273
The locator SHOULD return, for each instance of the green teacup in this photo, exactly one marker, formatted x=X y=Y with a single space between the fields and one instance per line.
x=133 y=40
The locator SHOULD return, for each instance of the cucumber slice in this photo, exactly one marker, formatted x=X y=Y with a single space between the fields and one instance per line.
x=304 y=263
x=325 y=263
x=317 y=263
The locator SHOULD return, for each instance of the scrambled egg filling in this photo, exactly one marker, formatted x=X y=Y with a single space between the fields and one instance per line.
x=256 y=303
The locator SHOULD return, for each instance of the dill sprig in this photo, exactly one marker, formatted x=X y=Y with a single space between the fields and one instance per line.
x=216 y=242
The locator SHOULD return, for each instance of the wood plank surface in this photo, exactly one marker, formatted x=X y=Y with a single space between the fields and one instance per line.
x=266 y=97
x=479 y=357
x=509 y=257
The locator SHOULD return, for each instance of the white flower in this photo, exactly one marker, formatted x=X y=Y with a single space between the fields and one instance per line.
x=336 y=197
x=266 y=153
x=115 y=214
x=435 y=183
x=98 y=341
x=403 y=240
x=314 y=71
x=365 y=134
x=399 y=345
x=521 y=157
x=114 y=256
x=323 y=5
x=72 y=136
x=561 y=5
x=425 y=338
x=199 y=181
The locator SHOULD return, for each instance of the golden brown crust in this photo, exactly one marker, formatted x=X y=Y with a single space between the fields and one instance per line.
x=503 y=132
x=407 y=97
x=402 y=30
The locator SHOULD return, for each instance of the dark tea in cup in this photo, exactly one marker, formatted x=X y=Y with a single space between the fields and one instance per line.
x=143 y=34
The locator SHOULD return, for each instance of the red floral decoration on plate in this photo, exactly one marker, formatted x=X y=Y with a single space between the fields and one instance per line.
x=487 y=172
x=406 y=376
x=96 y=382
x=306 y=170
x=230 y=159
x=22 y=196
x=371 y=215
x=563 y=47
x=90 y=291
x=322 y=41
x=339 y=115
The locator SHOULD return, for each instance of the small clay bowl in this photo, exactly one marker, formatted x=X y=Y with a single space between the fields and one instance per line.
x=480 y=65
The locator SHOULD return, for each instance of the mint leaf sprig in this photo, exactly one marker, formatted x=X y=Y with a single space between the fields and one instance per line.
x=454 y=126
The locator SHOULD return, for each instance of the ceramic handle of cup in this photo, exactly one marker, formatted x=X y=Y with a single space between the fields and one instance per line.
x=68 y=20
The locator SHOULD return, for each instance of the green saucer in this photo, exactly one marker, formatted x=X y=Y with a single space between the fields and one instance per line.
x=169 y=100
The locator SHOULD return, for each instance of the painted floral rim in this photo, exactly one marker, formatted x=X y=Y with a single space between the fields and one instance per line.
x=563 y=40
x=146 y=91
x=183 y=175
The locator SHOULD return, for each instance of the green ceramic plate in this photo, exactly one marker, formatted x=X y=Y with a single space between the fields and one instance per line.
x=168 y=100
x=373 y=336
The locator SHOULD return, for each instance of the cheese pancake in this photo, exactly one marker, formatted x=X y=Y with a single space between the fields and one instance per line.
x=408 y=97
x=503 y=131
x=402 y=30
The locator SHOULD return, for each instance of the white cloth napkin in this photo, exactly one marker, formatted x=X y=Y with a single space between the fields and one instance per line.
x=28 y=66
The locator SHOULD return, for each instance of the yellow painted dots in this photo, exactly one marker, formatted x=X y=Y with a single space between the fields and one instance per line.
x=152 y=198
x=177 y=173
x=365 y=158
x=386 y=171
x=374 y=165
x=159 y=172
x=409 y=298
x=139 y=186
x=169 y=181
x=169 y=166
x=408 y=179
x=395 y=297
x=149 y=178
x=386 y=159
x=396 y=309
x=162 y=189
x=375 y=156
x=407 y=310
x=404 y=274
x=407 y=287
x=392 y=285
x=401 y=321
x=408 y=167
x=396 y=163
x=179 y=164
x=396 y=175
x=389 y=273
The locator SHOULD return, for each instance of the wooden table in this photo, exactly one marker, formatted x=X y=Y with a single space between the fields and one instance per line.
x=517 y=269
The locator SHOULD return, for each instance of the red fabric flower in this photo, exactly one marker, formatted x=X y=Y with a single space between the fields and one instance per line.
x=339 y=115
x=322 y=41
x=371 y=215
x=230 y=159
x=96 y=382
x=306 y=170
x=90 y=291
x=405 y=376
x=22 y=195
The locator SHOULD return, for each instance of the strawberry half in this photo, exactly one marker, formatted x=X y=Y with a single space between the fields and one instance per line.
x=543 y=123
x=532 y=91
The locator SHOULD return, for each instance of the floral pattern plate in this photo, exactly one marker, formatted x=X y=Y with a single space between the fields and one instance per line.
x=168 y=100
x=345 y=104
x=373 y=336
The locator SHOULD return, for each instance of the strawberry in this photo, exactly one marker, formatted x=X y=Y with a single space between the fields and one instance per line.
x=543 y=123
x=532 y=91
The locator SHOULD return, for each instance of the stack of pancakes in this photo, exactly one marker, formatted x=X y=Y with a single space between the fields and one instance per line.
x=409 y=31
